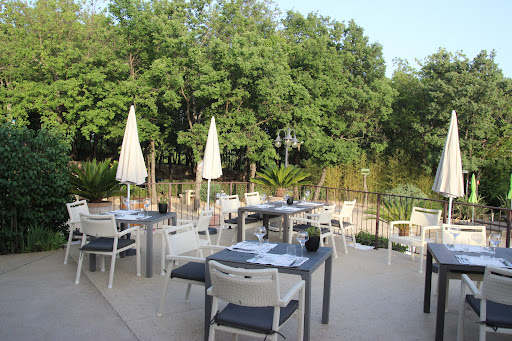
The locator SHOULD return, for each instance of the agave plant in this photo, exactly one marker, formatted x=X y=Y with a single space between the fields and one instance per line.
x=281 y=178
x=95 y=181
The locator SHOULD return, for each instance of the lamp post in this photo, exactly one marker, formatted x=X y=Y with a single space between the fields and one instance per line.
x=288 y=141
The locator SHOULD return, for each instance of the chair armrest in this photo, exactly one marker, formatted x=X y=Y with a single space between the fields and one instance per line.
x=399 y=222
x=283 y=301
x=213 y=247
x=130 y=230
x=471 y=285
x=304 y=220
x=209 y=291
x=172 y=228
x=229 y=211
x=185 y=258
x=312 y=215
x=186 y=221
x=426 y=228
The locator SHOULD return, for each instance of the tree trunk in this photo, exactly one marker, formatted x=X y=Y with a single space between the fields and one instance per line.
x=319 y=184
x=253 y=175
x=197 y=197
x=153 y=176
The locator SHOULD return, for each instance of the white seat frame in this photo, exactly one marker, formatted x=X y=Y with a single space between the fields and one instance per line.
x=427 y=219
x=346 y=212
x=253 y=198
x=74 y=210
x=105 y=226
x=229 y=205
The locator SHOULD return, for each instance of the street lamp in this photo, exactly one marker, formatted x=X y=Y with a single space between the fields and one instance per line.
x=288 y=141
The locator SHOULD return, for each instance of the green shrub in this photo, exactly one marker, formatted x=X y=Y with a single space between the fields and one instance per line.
x=214 y=189
x=33 y=184
x=365 y=238
x=43 y=239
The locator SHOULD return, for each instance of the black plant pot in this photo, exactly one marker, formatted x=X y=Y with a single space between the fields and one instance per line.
x=290 y=201
x=312 y=244
x=162 y=208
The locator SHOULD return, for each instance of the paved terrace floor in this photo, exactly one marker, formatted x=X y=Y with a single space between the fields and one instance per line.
x=370 y=301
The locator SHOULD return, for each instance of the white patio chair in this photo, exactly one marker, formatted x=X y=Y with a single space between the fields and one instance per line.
x=255 y=306
x=345 y=212
x=253 y=198
x=229 y=206
x=181 y=240
x=492 y=303
x=107 y=242
x=75 y=229
x=427 y=220
x=322 y=221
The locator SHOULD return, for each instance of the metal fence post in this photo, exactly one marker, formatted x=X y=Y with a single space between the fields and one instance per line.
x=376 y=246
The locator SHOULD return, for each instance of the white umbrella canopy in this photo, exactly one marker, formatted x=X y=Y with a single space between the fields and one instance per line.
x=131 y=169
x=449 y=180
x=212 y=166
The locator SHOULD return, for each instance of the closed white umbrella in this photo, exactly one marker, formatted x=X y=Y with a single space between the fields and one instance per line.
x=212 y=166
x=131 y=169
x=449 y=180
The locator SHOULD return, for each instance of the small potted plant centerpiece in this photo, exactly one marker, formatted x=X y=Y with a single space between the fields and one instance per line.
x=162 y=204
x=313 y=243
x=281 y=178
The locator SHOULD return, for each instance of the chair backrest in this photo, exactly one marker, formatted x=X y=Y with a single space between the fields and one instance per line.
x=347 y=209
x=229 y=203
x=75 y=208
x=326 y=214
x=95 y=225
x=246 y=287
x=497 y=285
x=204 y=221
x=252 y=198
x=469 y=235
x=425 y=217
x=185 y=239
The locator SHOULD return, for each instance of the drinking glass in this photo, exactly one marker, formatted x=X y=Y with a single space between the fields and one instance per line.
x=302 y=237
x=126 y=202
x=455 y=233
x=263 y=197
x=291 y=250
x=147 y=203
x=307 y=193
x=260 y=232
x=495 y=240
x=286 y=196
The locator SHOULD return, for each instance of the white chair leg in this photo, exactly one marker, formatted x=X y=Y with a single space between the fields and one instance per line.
x=137 y=250
x=219 y=234
x=111 y=276
x=102 y=263
x=353 y=236
x=164 y=289
x=460 y=322
x=334 y=246
x=79 y=267
x=70 y=239
x=162 y=255
x=390 y=246
x=421 y=258
x=343 y=239
x=187 y=295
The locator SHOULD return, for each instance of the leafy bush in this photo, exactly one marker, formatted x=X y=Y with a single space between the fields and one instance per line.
x=43 y=239
x=214 y=189
x=33 y=184
x=281 y=177
x=365 y=238
x=95 y=180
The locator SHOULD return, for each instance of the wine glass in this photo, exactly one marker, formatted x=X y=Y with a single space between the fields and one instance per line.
x=286 y=196
x=147 y=203
x=126 y=202
x=263 y=197
x=495 y=240
x=307 y=193
x=302 y=237
x=260 y=232
x=455 y=233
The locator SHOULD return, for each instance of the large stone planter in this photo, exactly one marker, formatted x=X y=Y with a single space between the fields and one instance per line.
x=99 y=207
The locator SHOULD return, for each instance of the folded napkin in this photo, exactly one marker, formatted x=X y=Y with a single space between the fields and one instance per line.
x=252 y=247
x=465 y=248
x=483 y=261
x=261 y=206
x=307 y=203
x=132 y=217
x=278 y=260
x=287 y=208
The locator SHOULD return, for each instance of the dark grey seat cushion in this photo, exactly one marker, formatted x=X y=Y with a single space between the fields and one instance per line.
x=256 y=319
x=192 y=271
x=498 y=315
x=106 y=244
x=336 y=223
x=303 y=227
x=211 y=230
x=248 y=220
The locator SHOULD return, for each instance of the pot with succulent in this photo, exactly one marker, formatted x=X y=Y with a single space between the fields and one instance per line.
x=162 y=204
x=313 y=243
x=95 y=181
x=280 y=179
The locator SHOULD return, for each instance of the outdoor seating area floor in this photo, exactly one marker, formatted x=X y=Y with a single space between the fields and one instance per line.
x=369 y=300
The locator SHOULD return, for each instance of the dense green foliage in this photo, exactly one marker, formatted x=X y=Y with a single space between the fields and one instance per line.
x=365 y=238
x=275 y=177
x=94 y=180
x=33 y=184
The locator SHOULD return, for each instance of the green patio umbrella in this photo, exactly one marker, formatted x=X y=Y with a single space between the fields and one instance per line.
x=472 y=198
x=509 y=195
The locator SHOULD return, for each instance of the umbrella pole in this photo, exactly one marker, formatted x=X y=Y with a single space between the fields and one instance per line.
x=450 y=210
x=128 y=198
x=208 y=196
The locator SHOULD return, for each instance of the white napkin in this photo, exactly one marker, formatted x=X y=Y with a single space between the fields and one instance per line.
x=251 y=247
x=287 y=208
x=483 y=261
x=278 y=260
x=465 y=248
x=307 y=203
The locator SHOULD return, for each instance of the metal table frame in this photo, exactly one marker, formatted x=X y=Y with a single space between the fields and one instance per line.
x=448 y=262
x=305 y=271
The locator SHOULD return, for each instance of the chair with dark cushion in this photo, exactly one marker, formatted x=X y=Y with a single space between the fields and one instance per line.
x=181 y=240
x=107 y=241
x=229 y=206
x=75 y=229
x=253 y=198
x=254 y=303
x=492 y=303
x=339 y=216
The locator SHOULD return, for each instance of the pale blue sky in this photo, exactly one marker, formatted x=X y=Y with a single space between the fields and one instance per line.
x=414 y=30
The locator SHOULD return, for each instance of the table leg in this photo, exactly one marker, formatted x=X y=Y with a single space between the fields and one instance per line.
x=441 y=302
x=207 y=302
x=240 y=225
x=307 y=306
x=266 y=224
x=286 y=227
x=428 y=283
x=149 y=250
x=327 y=290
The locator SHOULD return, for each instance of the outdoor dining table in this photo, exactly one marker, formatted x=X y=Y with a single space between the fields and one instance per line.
x=447 y=261
x=305 y=270
x=272 y=209
x=154 y=218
